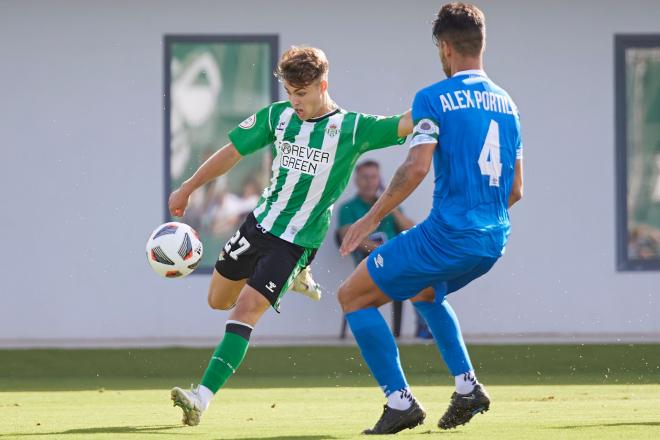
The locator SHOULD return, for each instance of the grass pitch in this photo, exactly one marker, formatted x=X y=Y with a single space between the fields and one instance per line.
x=326 y=393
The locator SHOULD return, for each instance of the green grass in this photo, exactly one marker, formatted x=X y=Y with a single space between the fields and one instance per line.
x=317 y=393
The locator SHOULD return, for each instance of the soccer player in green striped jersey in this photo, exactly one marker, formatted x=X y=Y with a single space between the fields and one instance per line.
x=315 y=145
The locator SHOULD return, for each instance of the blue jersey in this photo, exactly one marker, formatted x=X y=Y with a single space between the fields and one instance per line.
x=477 y=129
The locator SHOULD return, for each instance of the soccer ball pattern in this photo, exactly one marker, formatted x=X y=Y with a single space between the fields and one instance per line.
x=174 y=250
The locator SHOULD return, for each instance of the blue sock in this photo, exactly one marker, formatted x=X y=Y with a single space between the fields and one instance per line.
x=378 y=348
x=446 y=331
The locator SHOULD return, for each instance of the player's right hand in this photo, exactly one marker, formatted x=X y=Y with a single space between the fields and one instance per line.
x=178 y=202
x=357 y=233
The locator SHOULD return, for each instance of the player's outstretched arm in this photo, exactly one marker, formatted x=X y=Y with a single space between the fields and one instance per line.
x=405 y=124
x=222 y=161
x=517 y=187
x=408 y=177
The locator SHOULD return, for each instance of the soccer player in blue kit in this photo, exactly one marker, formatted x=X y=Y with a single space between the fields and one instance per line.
x=469 y=128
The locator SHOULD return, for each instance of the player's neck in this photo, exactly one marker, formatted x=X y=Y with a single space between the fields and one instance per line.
x=327 y=106
x=463 y=64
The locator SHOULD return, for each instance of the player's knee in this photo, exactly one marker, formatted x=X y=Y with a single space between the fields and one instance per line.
x=220 y=305
x=344 y=297
x=217 y=302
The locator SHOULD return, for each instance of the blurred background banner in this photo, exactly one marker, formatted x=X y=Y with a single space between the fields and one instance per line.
x=212 y=83
x=638 y=59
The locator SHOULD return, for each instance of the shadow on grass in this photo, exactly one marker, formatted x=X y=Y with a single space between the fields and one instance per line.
x=158 y=429
x=608 y=425
x=284 y=437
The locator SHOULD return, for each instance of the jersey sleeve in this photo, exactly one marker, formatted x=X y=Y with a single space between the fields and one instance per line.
x=254 y=133
x=519 y=142
x=373 y=132
x=427 y=128
x=519 y=148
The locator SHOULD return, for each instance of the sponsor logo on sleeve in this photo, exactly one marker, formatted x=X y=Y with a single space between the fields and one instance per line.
x=426 y=126
x=249 y=122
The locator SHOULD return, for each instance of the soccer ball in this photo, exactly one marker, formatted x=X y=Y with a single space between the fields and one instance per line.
x=174 y=250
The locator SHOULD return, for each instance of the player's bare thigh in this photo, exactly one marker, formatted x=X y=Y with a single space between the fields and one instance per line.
x=223 y=292
x=359 y=291
x=427 y=294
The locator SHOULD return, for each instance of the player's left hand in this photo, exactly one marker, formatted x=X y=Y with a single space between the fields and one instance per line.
x=178 y=202
x=357 y=233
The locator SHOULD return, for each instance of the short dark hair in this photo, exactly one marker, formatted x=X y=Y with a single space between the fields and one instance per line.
x=366 y=163
x=461 y=25
x=301 y=66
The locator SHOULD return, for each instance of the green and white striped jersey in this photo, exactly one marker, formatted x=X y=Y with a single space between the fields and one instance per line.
x=312 y=163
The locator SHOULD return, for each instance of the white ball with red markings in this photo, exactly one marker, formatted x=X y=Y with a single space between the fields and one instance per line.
x=174 y=250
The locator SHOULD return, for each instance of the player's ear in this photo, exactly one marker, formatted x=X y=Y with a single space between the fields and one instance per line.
x=445 y=48
x=324 y=85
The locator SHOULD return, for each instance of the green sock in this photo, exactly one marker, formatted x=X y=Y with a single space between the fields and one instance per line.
x=227 y=357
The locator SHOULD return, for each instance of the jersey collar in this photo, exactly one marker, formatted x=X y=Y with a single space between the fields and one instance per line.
x=320 y=118
x=470 y=72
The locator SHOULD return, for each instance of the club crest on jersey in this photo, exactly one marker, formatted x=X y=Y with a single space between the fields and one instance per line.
x=426 y=126
x=249 y=122
x=332 y=130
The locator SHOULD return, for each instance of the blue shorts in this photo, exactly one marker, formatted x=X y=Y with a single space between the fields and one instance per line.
x=417 y=259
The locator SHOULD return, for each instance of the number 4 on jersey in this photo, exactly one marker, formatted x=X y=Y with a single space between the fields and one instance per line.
x=489 y=159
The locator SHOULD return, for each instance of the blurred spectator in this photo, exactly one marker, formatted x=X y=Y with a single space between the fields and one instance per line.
x=369 y=186
x=643 y=242
x=230 y=209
